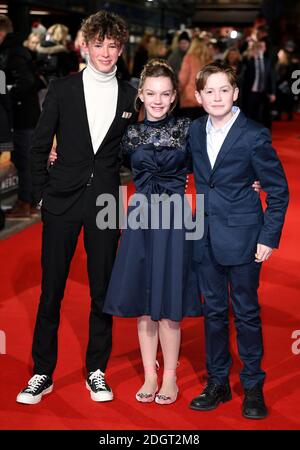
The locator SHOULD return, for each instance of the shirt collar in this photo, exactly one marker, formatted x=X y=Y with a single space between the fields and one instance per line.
x=209 y=126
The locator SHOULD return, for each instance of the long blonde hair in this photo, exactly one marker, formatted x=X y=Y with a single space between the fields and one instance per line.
x=200 y=49
x=58 y=33
x=27 y=42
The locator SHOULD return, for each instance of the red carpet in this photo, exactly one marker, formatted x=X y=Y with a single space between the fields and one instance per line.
x=70 y=407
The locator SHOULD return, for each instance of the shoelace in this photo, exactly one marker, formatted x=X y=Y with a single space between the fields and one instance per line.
x=98 y=378
x=210 y=388
x=35 y=382
x=255 y=394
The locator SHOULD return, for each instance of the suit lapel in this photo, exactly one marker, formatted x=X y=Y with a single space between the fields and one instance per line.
x=79 y=98
x=118 y=116
x=203 y=150
x=232 y=136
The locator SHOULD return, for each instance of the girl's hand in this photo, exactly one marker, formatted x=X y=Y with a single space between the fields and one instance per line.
x=52 y=155
x=256 y=186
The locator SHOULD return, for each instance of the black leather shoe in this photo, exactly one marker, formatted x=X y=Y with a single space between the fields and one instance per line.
x=212 y=395
x=254 y=406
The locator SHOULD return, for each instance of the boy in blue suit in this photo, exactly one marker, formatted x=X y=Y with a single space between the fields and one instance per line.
x=229 y=151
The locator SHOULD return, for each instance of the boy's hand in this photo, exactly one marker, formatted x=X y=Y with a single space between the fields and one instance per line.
x=263 y=252
x=256 y=186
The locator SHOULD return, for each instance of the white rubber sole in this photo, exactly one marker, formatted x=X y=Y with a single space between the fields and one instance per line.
x=28 y=399
x=100 y=396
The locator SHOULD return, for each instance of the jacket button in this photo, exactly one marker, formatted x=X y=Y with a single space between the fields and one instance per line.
x=212 y=185
x=206 y=214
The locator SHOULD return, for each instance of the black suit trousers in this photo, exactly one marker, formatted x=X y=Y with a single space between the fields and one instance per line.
x=257 y=107
x=60 y=236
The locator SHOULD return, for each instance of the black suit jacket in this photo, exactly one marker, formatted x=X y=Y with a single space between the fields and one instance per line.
x=249 y=76
x=16 y=62
x=64 y=115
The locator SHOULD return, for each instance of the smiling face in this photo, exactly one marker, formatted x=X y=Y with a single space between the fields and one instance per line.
x=218 y=96
x=103 y=54
x=157 y=94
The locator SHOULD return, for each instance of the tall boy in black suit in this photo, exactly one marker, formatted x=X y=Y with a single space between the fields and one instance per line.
x=88 y=112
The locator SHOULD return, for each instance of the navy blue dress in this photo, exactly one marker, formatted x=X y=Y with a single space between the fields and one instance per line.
x=152 y=274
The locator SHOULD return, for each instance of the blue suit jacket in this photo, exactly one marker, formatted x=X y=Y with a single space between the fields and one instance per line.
x=232 y=209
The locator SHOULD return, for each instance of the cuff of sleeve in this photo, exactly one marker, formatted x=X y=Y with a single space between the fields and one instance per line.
x=268 y=241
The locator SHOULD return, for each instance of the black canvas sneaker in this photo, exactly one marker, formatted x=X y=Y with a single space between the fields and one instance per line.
x=100 y=391
x=38 y=386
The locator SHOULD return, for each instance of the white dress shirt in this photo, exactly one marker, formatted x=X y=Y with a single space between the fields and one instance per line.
x=216 y=137
x=259 y=64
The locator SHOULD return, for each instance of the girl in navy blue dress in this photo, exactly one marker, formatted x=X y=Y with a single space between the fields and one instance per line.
x=152 y=278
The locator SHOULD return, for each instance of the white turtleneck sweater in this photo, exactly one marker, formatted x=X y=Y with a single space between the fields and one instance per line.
x=101 y=94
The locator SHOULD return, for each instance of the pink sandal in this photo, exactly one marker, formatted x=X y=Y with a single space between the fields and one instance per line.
x=148 y=397
x=163 y=399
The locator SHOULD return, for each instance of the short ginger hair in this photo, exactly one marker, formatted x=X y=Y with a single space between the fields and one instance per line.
x=210 y=69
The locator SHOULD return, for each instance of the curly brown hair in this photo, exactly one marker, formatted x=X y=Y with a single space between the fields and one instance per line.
x=104 y=24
